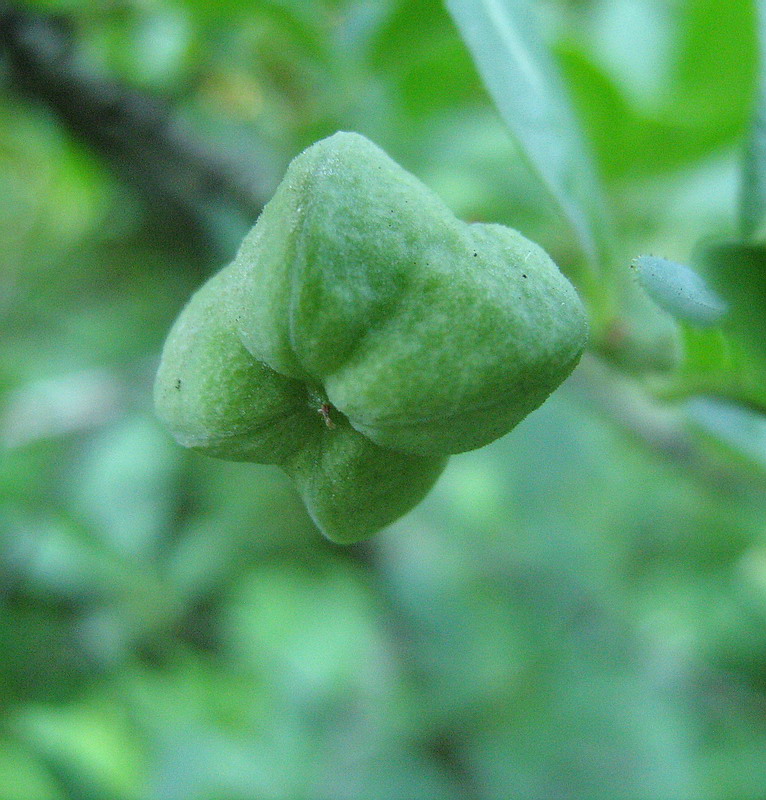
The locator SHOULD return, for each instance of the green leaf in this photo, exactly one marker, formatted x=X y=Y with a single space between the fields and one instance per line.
x=753 y=200
x=631 y=140
x=713 y=77
x=738 y=272
x=680 y=291
x=528 y=90
x=730 y=361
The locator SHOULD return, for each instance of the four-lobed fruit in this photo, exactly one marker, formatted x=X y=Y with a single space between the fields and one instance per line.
x=363 y=334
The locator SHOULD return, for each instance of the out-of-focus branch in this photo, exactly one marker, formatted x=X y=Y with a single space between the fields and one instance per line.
x=192 y=181
x=665 y=429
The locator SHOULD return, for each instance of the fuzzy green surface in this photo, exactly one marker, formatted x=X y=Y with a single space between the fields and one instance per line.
x=362 y=334
x=216 y=398
x=352 y=487
x=429 y=334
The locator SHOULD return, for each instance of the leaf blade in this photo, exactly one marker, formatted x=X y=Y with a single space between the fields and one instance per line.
x=680 y=291
x=528 y=91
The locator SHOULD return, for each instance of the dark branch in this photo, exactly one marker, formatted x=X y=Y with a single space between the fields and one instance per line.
x=192 y=181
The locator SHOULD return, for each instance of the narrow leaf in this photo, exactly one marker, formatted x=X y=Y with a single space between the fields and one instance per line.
x=680 y=291
x=528 y=90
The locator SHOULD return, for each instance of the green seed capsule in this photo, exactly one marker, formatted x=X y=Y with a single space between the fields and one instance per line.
x=362 y=334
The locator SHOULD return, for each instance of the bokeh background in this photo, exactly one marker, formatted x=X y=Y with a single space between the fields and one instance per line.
x=576 y=611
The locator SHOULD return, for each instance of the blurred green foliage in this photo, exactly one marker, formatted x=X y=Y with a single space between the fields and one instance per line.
x=577 y=611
